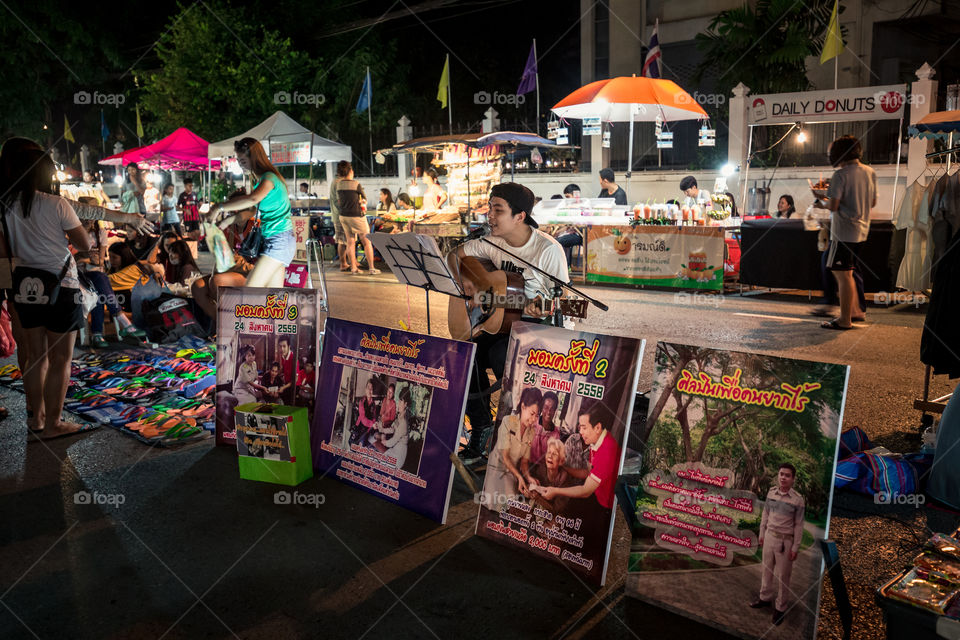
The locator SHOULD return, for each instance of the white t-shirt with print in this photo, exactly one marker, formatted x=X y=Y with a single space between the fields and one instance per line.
x=40 y=241
x=541 y=249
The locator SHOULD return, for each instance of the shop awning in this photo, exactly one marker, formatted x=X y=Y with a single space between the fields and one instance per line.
x=281 y=129
x=938 y=124
x=475 y=140
x=182 y=150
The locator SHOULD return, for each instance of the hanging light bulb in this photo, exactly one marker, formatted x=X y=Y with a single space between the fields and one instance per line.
x=801 y=135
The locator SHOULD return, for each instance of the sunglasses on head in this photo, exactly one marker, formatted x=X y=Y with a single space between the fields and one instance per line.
x=241 y=146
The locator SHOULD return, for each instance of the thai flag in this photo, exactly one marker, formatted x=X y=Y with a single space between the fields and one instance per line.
x=651 y=66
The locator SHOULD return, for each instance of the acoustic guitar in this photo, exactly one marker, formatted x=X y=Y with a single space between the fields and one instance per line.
x=497 y=299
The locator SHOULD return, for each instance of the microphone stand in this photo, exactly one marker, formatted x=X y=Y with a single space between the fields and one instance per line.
x=558 y=284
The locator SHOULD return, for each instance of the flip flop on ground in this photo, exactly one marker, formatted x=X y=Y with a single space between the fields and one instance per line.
x=63 y=430
x=835 y=324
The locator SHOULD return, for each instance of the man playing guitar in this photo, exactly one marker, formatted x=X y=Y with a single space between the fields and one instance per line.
x=511 y=227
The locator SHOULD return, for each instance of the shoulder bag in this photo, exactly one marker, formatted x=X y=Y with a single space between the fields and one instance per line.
x=32 y=286
x=252 y=244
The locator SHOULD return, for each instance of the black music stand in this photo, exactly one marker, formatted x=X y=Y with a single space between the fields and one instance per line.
x=417 y=261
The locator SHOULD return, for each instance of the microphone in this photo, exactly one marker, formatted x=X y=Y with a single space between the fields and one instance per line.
x=479 y=232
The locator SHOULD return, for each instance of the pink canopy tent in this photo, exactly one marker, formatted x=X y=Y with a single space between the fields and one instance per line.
x=182 y=150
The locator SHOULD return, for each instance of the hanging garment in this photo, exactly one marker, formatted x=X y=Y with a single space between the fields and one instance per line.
x=914 y=216
x=944 y=482
x=944 y=217
x=940 y=341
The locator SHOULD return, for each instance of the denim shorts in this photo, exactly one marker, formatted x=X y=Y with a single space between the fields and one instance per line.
x=282 y=247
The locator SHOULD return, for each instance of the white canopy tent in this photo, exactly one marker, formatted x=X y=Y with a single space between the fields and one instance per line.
x=288 y=142
x=281 y=129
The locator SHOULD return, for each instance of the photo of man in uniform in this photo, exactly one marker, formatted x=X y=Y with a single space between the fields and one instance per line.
x=781 y=531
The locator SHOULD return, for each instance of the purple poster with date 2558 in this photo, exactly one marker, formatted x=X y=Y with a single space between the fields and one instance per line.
x=389 y=408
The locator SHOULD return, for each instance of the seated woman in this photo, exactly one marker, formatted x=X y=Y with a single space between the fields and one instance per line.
x=404 y=202
x=395 y=446
x=366 y=415
x=549 y=472
x=182 y=270
x=270 y=383
x=245 y=385
x=205 y=289
x=388 y=413
x=509 y=466
x=785 y=207
x=126 y=271
x=91 y=265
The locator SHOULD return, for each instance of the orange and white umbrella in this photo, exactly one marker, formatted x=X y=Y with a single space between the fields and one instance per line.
x=631 y=99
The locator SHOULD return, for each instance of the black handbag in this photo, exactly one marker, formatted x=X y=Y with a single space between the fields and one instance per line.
x=30 y=285
x=252 y=244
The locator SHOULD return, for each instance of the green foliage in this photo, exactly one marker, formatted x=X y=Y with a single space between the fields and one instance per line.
x=764 y=46
x=219 y=74
x=48 y=55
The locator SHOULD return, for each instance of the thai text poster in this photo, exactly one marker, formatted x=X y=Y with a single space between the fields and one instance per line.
x=558 y=444
x=389 y=408
x=739 y=458
x=267 y=350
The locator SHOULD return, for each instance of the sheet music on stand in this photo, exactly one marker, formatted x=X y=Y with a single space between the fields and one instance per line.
x=416 y=260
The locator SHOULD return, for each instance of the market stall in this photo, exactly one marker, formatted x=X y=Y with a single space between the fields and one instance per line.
x=780 y=254
x=647 y=245
x=473 y=165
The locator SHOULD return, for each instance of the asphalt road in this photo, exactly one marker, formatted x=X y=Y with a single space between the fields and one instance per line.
x=194 y=551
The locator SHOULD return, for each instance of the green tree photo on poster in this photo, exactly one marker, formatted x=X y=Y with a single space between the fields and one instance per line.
x=752 y=441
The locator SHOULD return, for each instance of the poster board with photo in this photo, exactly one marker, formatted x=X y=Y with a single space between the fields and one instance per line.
x=561 y=426
x=390 y=405
x=739 y=447
x=256 y=329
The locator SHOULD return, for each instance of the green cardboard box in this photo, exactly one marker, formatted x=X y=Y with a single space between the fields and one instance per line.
x=273 y=443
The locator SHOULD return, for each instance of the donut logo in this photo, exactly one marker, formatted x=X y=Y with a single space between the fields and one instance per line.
x=891 y=101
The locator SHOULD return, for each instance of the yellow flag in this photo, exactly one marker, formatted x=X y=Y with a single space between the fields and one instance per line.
x=833 y=41
x=444 y=84
x=139 y=124
x=67 y=133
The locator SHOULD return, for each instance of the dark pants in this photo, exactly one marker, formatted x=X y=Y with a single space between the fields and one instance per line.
x=491 y=354
x=568 y=241
x=105 y=296
x=830 y=284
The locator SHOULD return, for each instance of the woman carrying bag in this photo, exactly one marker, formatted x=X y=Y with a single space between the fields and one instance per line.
x=45 y=289
x=271 y=242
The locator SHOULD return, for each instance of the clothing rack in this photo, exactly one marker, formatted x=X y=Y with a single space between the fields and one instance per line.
x=927 y=405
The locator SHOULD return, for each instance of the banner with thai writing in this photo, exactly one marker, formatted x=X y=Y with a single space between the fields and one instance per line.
x=267 y=350
x=389 y=409
x=558 y=445
x=674 y=257
x=739 y=458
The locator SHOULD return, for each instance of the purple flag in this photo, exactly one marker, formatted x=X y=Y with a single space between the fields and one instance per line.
x=528 y=82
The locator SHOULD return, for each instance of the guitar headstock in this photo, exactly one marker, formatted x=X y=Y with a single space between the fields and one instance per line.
x=569 y=307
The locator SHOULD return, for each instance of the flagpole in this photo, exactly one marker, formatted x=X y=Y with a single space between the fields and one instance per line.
x=370 y=121
x=449 y=94
x=537 y=79
x=836 y=72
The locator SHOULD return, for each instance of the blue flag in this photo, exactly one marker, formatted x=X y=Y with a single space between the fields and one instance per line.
x=528 y=82
x=364 y=102
x=104 y=131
